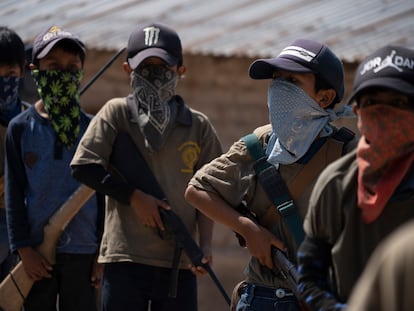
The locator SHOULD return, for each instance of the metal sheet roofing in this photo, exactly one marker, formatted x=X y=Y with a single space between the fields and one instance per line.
x=252 y=28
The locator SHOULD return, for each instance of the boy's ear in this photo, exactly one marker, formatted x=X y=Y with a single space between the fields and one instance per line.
x=32 y=66
x=326 y=97
x=181 y=70
x=127 y=67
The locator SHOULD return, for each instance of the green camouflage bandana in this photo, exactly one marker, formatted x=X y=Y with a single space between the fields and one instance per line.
x=59 y=91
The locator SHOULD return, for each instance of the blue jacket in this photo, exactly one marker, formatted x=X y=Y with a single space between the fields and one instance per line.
x=39 y=181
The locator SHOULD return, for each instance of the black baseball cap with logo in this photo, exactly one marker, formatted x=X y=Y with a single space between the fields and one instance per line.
x=154 y=40
x=45 y=41
x=304 y=56
x=390 y=67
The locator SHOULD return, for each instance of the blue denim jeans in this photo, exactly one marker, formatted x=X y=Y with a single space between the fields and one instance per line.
x=134 y=287
x=69 y=288
x=257 y=298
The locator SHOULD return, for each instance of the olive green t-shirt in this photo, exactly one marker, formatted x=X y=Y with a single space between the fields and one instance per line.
x=187 y=148
x=232 y=177
x=334 y=218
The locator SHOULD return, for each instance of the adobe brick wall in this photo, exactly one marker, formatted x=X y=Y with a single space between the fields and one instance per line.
x=217 y=86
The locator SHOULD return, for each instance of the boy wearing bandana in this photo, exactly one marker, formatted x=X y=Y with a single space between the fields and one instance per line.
x=306 y=81
x=12 y=62
x=175 y=141
x=40 y=144
x=366 y=195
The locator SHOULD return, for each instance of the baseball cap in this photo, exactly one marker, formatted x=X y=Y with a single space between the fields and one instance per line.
x=390 y=67
x=45 y=41
x=304 y=56
x=154 y=40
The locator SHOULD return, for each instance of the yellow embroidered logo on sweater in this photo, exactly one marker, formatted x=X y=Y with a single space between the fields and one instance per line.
x=190 y=151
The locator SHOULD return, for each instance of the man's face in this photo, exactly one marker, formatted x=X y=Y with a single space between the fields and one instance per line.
x=59 y=59
x=10 y=70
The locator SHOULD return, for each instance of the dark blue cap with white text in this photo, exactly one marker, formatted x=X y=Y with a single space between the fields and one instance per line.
x=304 y=56
x=154 y=40
x=390 y=67
x=45 y=41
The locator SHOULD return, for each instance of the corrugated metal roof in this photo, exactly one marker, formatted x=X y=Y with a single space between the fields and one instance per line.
x=253 y=28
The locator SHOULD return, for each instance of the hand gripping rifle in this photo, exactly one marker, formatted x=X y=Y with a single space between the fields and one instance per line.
x=17 y=285
x=128 y=163
x=282 y=266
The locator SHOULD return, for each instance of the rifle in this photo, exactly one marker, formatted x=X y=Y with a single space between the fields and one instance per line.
x=101 y=71
x=132 y=171
x=17 y=285
x=186 y=242
x=282 y=266
x=286 y=270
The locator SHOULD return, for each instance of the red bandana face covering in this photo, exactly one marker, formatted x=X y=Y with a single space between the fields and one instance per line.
x=385 y=153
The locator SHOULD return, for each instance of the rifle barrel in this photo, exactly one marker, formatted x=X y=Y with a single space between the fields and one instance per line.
x=104 y=67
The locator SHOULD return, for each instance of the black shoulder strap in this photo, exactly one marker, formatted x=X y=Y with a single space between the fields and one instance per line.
x=344 y=135
x=275 y=187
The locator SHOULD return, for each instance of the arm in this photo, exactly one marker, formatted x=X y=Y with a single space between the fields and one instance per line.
x=205 y=229
x=314 y=262
x=96 y=177
x=15 y=185
x=145 y=205
x=258 y=239
x=35 y=265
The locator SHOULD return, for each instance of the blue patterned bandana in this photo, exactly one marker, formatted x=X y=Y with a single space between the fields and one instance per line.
x=9 y=94
x=296 y=121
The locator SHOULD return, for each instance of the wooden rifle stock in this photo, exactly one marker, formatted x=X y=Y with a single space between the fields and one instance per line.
x=17 y=285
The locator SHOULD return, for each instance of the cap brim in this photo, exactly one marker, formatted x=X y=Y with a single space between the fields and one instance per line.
x=152 y=52
x=264 y=68
x=394 y=84
x=48 y=47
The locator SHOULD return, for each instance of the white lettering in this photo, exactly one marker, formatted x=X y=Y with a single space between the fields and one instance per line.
x=404 y=62
x=53 y=34
x=298 y=52
x=371 y=64
x=151 y=35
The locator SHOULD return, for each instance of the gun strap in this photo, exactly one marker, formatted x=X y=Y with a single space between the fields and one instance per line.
x=172 y=290
x=274 y=186
x=283 y=196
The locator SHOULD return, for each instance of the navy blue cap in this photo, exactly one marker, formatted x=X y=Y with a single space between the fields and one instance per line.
x=304 y=56
x=390 y=67
x=45 y=41
x=154 y=40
